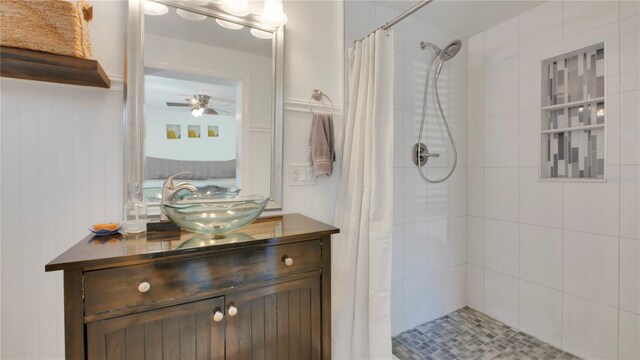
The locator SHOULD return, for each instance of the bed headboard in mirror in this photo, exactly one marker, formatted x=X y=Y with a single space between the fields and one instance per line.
x=204 y=95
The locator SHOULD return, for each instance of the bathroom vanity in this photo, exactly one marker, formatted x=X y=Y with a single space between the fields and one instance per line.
x=260 y=292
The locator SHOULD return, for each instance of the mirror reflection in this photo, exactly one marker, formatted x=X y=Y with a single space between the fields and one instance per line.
x=208 y=86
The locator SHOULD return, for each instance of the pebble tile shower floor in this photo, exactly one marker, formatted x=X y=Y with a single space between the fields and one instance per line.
x=470 y=334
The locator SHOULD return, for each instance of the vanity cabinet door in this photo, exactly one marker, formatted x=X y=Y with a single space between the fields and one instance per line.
x=275 y=322
x=188 y=331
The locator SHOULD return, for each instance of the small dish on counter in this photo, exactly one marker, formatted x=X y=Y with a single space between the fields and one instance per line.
x=105 y=230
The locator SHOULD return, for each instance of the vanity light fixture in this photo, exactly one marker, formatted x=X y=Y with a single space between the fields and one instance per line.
x=153 y=8
x=229 y=24
x=190 y=15
x=236 y=7
x=260 y=34
x=272 y=13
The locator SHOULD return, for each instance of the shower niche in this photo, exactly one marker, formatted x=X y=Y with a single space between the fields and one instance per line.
x=573 y=115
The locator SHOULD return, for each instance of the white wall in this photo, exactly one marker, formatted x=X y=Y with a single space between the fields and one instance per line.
x=61 y=164
x=429 y=235
x=558 y=260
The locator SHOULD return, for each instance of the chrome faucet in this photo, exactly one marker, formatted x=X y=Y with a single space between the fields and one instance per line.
x=169 y=189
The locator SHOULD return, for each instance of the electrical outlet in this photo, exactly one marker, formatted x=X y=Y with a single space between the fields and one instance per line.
x=301 y=174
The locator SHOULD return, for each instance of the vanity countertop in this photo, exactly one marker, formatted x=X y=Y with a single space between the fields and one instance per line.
x=95 y=252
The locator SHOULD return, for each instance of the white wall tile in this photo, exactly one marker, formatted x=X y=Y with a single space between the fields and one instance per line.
x=475 y=95
x=613 y=129
x=475 y=142
x=580 y=16
x=456 y=288
x=475 y=287
x=589 y=329
x=630 y=275
x=415 y=31
x=501 y=87
x=415 y=249
x=398 y=82
x=416 y=293
x=629 y=336
x=630 y=53
x=398 y=139
x=436 y=303
x=540 y=201
x=457 y=241
x=397 y=303
x=529 y=137
x=501 y=41
x=361 y=17
x=501 y=240
x=630 y=202
x=593 y=207
x=629 y=8
x=501 y=140
x=501 y=187
x=397 y=260
x=541 y=255
x=475 y=191
x=456 y=88
x=475 y=236
x=541 y=26
x=438 y=239
x=476 y=52
x=630 y=128
x=415 y=196
x=591 y=266
x=501 y=297
x=540 y=312
x=415 y=73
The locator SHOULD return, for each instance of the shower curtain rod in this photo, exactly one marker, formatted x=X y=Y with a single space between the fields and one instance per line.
x=401 y=17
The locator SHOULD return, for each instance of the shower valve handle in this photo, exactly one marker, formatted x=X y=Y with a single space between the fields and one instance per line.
x=430 y=155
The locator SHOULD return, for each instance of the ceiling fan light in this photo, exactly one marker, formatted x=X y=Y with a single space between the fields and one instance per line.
x=236 y=7
x=153 y=8
x=197 y=112
x=273 y=14
x=229 y=24
x=190 y=15
x=260 y=34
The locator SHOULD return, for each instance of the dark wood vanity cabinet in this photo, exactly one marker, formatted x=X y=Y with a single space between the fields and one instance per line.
x=262 y=292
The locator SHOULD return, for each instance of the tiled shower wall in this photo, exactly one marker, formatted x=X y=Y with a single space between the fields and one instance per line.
x=559 y=260
x=429 y=239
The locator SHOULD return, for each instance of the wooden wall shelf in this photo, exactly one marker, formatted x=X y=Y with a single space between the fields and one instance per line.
x=41 y=66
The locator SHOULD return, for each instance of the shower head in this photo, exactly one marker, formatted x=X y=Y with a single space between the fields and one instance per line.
x=448 y=52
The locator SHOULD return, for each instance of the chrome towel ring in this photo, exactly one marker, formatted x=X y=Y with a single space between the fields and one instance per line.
x=317 y=95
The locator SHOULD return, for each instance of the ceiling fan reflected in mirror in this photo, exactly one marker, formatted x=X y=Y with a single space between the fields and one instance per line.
x=198 y=104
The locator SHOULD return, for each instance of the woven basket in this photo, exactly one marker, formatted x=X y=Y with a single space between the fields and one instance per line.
x=53 y=26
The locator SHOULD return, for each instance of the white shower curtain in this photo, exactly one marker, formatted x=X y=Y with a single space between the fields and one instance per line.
x=361 y=255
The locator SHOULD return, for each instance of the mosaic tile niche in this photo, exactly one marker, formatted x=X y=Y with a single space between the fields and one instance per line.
x=573 y=115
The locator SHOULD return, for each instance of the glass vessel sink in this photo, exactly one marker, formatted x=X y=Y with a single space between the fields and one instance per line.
x=213 y=213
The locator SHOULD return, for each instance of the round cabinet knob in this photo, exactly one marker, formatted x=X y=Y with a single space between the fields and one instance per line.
x=218 y=316
x=232 y=310
x=144 y=287
x=287 y=260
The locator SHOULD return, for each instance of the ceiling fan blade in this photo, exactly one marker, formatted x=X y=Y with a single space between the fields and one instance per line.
x=177 y=104
x=210 y=111
x=223 y=111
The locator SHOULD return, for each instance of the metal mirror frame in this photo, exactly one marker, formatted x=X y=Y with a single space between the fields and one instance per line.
x=134 y=121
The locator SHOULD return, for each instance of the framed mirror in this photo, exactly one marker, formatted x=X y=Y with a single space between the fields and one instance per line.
x=204 y=95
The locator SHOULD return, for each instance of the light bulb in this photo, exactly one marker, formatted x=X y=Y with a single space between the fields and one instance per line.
x=229 y=24
x=154 y=8
x=236 y=7
x=272 y=14
x=260 y=34
x=197 y=112
x=190 y=15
